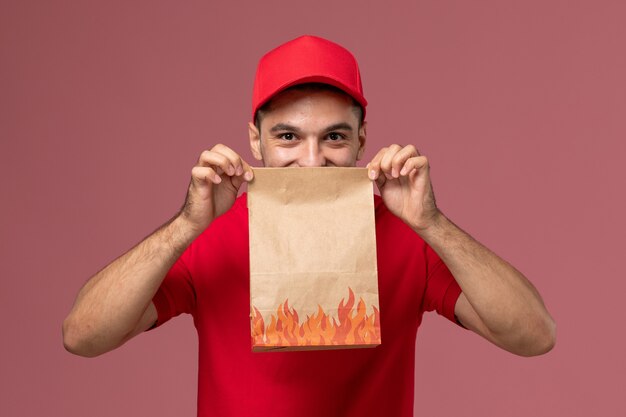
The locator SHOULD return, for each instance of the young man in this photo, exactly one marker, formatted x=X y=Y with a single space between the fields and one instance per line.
x=308 y=110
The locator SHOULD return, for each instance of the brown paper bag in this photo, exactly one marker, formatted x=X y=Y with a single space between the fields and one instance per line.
x=313 y=271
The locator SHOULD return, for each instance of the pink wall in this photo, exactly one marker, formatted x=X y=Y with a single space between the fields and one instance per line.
x=521 y=107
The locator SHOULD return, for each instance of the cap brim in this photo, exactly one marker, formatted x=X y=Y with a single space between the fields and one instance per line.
x=315 y=79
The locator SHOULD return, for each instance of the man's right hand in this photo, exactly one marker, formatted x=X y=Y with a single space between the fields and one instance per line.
x=116 y=303
x=215 y=182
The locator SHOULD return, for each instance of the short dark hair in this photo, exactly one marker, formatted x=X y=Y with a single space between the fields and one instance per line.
x=357 y=109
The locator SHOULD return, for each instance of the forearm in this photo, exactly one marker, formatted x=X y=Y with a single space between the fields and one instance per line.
x=509 y=307
x=111 y=303
x=498 y=302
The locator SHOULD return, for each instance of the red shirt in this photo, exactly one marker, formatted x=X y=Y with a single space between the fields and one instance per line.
x=211 y=282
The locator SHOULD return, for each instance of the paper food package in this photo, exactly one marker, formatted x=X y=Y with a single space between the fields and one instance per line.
x=313 y=270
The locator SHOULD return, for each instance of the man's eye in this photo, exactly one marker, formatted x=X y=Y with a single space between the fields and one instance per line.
x=335 y=136
x=286 y=136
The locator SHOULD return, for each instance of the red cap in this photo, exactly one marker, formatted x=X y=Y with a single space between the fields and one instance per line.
x=307 y=59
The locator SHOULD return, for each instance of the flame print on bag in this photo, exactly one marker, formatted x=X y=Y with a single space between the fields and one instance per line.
x=354 y=327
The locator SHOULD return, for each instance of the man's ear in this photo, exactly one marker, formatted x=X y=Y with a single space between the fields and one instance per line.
x=255 y=141
x=362 y=140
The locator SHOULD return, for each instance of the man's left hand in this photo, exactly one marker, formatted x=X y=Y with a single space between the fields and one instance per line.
x=403 y=178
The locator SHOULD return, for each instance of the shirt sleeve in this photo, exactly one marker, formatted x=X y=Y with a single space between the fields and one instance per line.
x=442 y=290
x=176 y=294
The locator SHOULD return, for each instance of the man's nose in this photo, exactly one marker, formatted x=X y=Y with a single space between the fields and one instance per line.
x=312 y=154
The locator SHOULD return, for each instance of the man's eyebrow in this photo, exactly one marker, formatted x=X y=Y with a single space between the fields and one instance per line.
x=283 y=126
x=339 y=126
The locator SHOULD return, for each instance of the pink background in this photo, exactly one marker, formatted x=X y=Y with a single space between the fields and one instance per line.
x=520 y=106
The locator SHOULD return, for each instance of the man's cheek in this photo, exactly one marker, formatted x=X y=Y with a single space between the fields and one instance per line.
x=280 y=157
x=344 y=157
